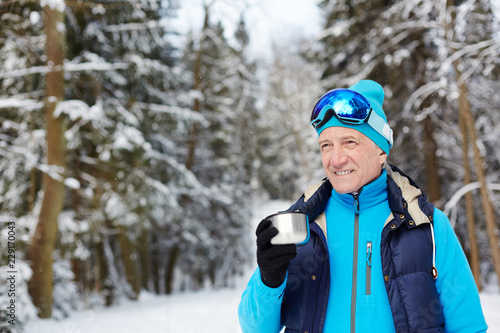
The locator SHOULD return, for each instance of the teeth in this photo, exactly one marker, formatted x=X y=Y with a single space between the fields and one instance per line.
x=342 y=173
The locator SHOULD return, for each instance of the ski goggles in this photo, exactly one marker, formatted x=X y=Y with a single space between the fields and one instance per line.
x=350 y=108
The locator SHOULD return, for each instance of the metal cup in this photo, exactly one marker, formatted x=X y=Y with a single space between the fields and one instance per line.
x=293 y=228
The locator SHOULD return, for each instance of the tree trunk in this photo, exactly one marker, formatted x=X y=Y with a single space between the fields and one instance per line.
x=77 y=267
x=469 y=204
x=104 y=283
x=485 y=198
x=155 y=262
x=32 y=192
x=97 y=286
x=44 y=239
x=193 y=138
x=143 y=249
x=169 y=274
x=431 y=167
x=129 y=257
x=469 y=133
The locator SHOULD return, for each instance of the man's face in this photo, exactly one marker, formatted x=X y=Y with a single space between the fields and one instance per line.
x=350 y=159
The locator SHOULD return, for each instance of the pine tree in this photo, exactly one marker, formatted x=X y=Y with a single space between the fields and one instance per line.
x=289 y=154
x=124 y=103
x=219 y=154
x=124 y=158
x=477 y=35
x=22 y=134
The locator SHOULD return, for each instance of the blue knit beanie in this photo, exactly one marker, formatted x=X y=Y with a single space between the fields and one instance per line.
x=374 y=93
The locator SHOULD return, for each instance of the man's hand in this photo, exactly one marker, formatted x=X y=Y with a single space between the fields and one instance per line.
x=273 y=260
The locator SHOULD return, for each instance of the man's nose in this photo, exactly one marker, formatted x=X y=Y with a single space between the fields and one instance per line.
x=338 y=157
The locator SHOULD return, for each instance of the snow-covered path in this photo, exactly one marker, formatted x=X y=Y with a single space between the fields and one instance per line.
x=205 y=311
x=194 y=312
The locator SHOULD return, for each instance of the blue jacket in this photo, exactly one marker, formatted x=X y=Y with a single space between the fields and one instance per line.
x=407 y=261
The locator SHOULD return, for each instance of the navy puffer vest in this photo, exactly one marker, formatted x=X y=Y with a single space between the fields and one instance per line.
x=407 y=251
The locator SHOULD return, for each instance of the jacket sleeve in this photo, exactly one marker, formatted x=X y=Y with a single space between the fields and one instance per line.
x=260 y=306
x=455 y=283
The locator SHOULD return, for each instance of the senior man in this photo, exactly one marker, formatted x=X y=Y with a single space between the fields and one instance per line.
x=380 y=257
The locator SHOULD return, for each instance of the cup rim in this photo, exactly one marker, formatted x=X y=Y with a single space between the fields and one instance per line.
x=284 y=213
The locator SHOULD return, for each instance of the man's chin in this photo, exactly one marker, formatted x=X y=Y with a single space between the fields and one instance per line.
x=343 y=189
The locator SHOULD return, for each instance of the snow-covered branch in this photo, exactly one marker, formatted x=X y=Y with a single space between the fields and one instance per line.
x=27 y=104
x=92 y=66
x=68 y=67
x=181 y=112
x=134 y=26
x=58 y=5
x=477 y=62
x=421 y=93
x=495 y=42
x=338 y=29
x=26 y=71
x=54 y=171
x=451 y=204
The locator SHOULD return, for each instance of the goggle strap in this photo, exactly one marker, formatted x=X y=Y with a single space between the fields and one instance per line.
x=323 y=117
x=378 y=124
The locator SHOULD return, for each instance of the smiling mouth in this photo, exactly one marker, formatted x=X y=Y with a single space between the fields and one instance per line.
x=343 y=173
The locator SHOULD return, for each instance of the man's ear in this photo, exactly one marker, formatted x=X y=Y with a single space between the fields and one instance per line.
x=382 y=157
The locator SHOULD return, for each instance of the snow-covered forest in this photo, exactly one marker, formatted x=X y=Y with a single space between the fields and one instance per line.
x=131 y=154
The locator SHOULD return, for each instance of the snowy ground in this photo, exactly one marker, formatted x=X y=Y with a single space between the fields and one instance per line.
x=205 y=311
x=193 y=312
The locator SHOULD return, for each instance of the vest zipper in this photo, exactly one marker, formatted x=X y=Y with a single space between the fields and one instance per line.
x=368 y=268
x=355 y=263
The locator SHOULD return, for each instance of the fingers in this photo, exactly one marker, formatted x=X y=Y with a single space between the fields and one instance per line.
x=263 y=225
x=276 y=258
x=279 y=254
x=264 y=238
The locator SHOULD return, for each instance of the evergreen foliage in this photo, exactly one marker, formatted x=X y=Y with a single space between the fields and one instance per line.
x=135 y=215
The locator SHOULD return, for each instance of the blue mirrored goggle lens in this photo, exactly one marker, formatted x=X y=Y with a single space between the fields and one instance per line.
x=348 y=106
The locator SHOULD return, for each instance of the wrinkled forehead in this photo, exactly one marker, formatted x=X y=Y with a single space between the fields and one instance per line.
x=340 y=133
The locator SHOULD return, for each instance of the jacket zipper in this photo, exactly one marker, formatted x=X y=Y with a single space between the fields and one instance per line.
x=355 y=263
x=368 y=268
